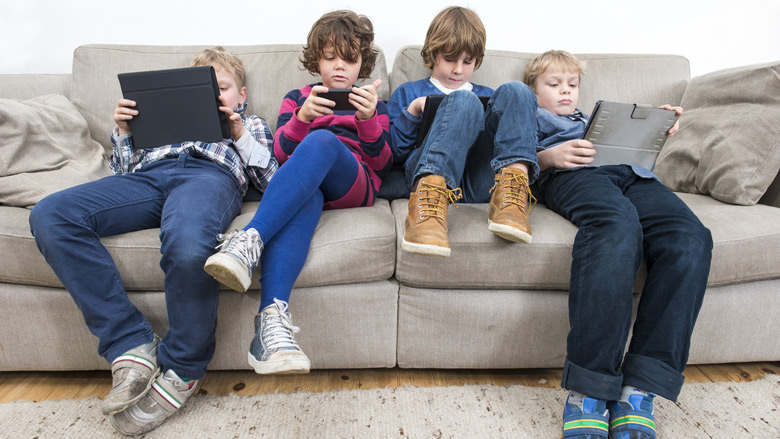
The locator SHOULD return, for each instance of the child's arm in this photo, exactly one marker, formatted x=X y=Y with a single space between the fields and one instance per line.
x=124 y=157
x=405 y=111
x=569 y=154
x=257 y=139
x=374 y=135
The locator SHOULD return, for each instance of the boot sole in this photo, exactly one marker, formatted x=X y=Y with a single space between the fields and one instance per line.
x=224 y=269
x=509 y=233
x=425 y=249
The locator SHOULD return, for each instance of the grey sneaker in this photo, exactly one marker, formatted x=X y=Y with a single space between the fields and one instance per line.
x=133 y=373
x=168 y=394
x=274 y=349
x=238 y=254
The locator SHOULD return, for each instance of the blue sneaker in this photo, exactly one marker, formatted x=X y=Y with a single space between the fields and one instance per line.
x=274 y=349
x=631 y=417
x=585 y=417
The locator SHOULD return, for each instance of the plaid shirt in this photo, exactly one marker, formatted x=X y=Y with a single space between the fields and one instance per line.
x=126 y=159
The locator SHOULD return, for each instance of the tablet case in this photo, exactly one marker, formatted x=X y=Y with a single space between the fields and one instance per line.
x=629 y=134
x=432 y=103
x=174 y=106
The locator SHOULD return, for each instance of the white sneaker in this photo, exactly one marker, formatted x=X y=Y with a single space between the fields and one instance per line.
x=238 y=254
x=133 y=373
x=274 y=349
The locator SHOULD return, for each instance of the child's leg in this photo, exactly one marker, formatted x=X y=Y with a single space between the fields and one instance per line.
x=203 y=200
x=67 y=226
x=677 y=248
x=321 y=162
x=458 y=122
x=509 y=137
x=606 y=257
x=436 y=168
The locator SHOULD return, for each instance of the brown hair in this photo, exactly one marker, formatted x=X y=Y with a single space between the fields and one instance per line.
x=351 y=36
x=453 y=31
x=557 y=58
x=223 y=58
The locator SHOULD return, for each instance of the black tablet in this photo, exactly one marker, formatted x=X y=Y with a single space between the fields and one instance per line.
x=174 y=106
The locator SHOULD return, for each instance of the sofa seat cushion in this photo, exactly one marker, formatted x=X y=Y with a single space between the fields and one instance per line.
x=746 y=239
x=349 y=246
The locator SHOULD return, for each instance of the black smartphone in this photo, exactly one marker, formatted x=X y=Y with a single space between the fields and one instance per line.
x=340 y=96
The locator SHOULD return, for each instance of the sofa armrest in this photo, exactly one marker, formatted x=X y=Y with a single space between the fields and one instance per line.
x=26 y=86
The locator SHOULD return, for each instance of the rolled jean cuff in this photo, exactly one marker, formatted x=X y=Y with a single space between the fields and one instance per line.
x=652 y=375
x=596 y=385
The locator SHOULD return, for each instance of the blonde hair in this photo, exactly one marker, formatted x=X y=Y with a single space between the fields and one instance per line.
x=351 y=36
x=223 y=58
x=555 y=58
x=452 y=32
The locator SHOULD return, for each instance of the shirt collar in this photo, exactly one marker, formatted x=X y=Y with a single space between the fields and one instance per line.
x=467 y=86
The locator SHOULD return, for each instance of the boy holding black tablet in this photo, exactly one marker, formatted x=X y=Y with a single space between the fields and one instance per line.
x=624 y=215
x=191 y=191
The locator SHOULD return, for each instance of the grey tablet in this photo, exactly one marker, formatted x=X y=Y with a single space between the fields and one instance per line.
x=629 y=134
x=174 y=106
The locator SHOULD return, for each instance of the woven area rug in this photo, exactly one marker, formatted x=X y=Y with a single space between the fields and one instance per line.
x=704 y=410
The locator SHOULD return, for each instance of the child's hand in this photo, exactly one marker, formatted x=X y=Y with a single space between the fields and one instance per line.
x=234 y=120
x=122 y=115
x=364 y=100
x=569 y=154
x=676 y=126
x=417 y=106
x=315 y=106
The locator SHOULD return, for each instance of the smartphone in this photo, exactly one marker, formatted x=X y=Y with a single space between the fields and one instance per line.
x=340 y=96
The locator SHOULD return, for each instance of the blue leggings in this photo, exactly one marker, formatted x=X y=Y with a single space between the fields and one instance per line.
x=322 y=169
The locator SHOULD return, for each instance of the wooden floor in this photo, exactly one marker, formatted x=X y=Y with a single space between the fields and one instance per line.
x=39 y=386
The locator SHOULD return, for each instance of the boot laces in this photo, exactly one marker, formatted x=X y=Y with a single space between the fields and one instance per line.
x=515 y=190
x=434 y=200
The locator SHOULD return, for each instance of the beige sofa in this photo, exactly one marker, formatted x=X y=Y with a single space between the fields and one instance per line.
x=362 y=302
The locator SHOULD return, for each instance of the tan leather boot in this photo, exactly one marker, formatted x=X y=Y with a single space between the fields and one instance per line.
x=508 y=217
x=426 y=222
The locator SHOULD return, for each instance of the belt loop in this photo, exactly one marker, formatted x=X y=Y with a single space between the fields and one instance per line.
x=181 y=162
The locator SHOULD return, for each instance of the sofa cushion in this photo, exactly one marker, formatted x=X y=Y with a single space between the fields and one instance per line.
x=746 y=239
x=349 y=246
x=272 y=71
x=728 y=145
x=635 y=78
x=46 y=148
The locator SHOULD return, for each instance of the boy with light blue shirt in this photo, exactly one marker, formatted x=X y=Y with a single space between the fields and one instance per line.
x=624 y=215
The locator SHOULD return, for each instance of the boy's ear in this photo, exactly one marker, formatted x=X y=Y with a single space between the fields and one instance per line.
x=243 y=95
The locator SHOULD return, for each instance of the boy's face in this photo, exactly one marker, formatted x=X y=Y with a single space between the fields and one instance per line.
x=336 y=72
x=453 y=73
x=228 y=87
x=558 y=90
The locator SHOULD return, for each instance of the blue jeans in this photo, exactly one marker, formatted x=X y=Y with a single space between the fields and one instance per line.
x=621 y=219
x=191 y=200
x=468 y=145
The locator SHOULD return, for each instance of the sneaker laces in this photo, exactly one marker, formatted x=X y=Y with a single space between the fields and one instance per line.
x=431 y=203
x=279 y=330
x=242 y=244
x=516 y=182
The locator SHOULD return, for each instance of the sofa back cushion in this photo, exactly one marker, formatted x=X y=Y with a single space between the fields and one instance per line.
x=645 y=79
x=272 y=71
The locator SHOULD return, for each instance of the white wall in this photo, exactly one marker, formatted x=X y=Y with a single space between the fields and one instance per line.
x=39 y=36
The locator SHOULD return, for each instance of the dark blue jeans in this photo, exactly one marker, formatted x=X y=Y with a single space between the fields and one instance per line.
x=191 y=200
x=468 y=145
x=621 y=219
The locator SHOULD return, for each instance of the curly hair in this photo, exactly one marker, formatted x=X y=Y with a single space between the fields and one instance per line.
x=351 y=35
x=558 y=58
x=224 y=58
x=453 y=31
